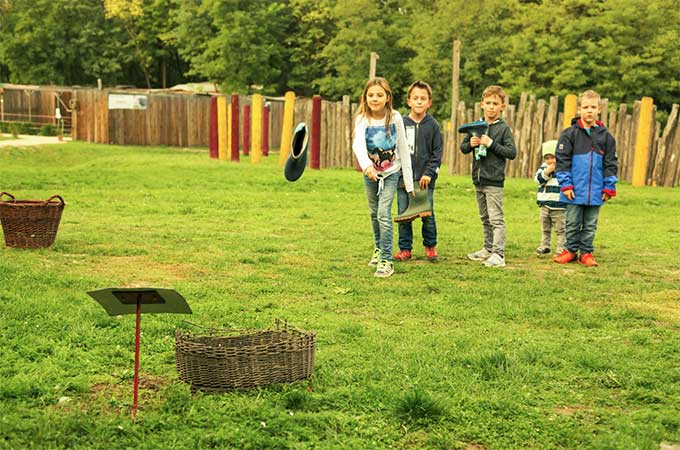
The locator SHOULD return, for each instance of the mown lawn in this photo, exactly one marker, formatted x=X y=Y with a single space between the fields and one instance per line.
x=439 y=356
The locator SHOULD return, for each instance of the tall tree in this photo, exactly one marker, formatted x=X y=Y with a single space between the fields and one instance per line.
x=314 y=27
x=40 y=46
x=366 y=26
x=145 y=23
x=482 y=27
x=240 y=44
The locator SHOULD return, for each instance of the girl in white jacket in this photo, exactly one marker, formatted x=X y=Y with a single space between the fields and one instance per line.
x=380 y=147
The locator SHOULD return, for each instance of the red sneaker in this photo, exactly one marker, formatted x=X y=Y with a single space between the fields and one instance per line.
x=403 y=255
x=565 y=257
x=431 y=254
x=588 y=260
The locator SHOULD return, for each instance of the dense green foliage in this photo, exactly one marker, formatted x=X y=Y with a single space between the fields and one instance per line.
x=440 y=356
x=624 y=48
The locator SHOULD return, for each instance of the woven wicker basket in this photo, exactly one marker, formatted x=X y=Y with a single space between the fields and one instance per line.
x=230 y=359
x=30 y=223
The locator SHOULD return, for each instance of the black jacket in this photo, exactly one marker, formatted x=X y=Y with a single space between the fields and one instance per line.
x=424 y=140
x=489 y=170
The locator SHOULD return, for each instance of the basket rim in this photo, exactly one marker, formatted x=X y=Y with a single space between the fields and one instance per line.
x=32 y=203
x=188 y=336
x=280 y=325
x=294 y=335
x=55 y=200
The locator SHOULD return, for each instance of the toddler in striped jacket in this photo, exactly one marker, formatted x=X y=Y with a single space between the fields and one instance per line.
x=552 y=210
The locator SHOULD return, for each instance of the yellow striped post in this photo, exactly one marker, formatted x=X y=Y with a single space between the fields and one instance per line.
x=287 y=127
x=222 y=127
x=641 y=158
x=569 y=110
x=256 y=128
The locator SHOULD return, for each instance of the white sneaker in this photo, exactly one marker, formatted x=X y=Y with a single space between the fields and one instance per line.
x=385 y=269
x=495 y=260
x=375 y=258
x=479 y=255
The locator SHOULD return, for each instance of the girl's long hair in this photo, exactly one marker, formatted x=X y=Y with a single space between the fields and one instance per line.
x=365 y=111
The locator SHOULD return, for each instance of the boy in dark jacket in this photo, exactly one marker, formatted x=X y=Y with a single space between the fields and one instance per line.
x=586 y=170
x=488 y=176
x=424 y=139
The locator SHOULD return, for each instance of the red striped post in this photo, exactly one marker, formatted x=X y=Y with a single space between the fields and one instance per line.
x=265 y=130
x=246 y=130
x=234 y=128
x=135 y=383
x=316 y=132
x=214 y=143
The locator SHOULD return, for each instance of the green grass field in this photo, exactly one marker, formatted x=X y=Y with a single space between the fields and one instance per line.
x=440 y=356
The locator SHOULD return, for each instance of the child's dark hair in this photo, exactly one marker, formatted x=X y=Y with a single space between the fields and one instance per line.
x=420 y=85
x=365 y=111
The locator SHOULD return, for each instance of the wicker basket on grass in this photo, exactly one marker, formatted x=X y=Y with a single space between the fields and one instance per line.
x=231 y=359
x=30 y=223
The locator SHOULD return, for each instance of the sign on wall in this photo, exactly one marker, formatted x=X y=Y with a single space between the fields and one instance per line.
x=127 y=101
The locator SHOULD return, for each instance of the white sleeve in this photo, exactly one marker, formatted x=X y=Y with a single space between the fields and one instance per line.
x=404 y=153
x=359 y=143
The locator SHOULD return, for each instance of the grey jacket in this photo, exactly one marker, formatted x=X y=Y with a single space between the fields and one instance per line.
x=489 y=170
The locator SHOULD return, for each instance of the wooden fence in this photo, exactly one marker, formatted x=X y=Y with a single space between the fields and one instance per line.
x=183 y=120
x=35 y=104
x=336 y=130
x=168 y=119
x=535 y=121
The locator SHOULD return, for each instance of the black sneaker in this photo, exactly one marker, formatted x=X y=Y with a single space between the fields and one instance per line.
x=542 y=251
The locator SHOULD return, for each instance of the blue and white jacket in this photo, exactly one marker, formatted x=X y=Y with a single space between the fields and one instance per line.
x=586 y=163
x=548 y=189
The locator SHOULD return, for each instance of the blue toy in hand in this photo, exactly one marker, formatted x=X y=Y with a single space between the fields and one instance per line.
x=476 y=129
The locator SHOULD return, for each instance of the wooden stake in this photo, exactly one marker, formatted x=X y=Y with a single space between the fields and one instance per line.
x=642 y=142
x=569 y=110
x=455 y=78
x=374 y=61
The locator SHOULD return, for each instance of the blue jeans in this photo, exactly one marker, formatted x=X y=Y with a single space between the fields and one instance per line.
x=429 y=229
x=380 y=207
x=581 y=227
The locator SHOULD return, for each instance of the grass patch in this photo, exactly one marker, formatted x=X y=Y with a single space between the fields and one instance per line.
x=446 y=355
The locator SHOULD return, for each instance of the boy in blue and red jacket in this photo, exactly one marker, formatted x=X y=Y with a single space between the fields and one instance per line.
x=586 y=170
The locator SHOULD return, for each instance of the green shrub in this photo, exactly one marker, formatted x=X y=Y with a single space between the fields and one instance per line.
x=14 y=129
x=48 y=130
x=19 y=128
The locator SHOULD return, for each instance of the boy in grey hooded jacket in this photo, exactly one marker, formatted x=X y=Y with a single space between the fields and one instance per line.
x=488 y=176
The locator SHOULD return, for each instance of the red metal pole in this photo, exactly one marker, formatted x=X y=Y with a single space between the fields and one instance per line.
x=214 y=142
x=265 y=130
x=234 y=128
x=246 y=129
x=136 y=379
x=316 y=132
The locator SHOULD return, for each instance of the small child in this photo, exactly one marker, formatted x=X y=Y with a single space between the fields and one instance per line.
x=488 y=176
x=586 y=170
x=426 y=145
x=380 y=147
x=548 y=199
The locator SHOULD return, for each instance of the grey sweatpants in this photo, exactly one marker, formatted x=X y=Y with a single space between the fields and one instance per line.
x=490 y=204
x=552 y=218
